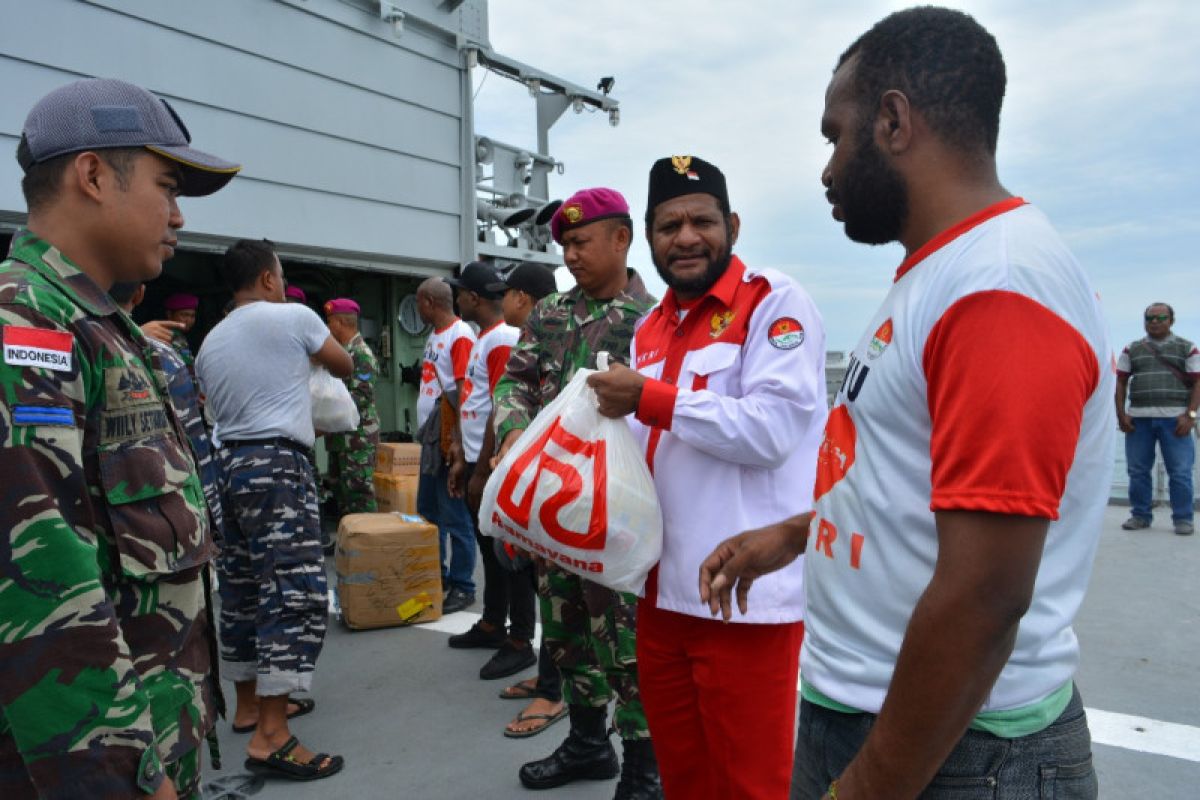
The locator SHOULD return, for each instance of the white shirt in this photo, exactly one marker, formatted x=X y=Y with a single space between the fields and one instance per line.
x=985 y=383
x=444 y=362
x=484 y=370
x=730 y=424
x=253 y=369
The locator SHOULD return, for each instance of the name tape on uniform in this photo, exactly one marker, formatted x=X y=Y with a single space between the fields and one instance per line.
x=35 y=347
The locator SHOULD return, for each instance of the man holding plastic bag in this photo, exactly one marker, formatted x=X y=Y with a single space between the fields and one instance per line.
x=590 y=630
x=255 y=367
x=728 y=403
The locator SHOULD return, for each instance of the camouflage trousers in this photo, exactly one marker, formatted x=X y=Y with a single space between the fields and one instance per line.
x=591 y=634
x=274 y=594
x=351 y=467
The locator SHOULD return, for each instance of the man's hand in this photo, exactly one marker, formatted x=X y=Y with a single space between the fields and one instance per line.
x=161 y=329
x=1184 y=425
x=742 y=559
x=509 y=440
x=618 y=390
x=475 y=486
x=458 y=470
x=166 y=791
x=1125 y=422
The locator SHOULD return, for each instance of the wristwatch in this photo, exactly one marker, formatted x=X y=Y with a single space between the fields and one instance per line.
x=1192 y=414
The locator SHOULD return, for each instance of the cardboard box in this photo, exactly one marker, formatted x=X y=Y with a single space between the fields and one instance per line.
x=396 y=493
x=388 y=570
x=398 y=459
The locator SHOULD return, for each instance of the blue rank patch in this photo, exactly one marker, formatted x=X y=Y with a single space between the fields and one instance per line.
x=363 y=376
x=43 y=415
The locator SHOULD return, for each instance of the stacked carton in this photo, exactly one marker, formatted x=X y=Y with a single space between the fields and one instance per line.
x=388 y=570
x=397 y=470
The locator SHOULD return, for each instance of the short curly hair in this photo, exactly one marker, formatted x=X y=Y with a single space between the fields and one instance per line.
x=244 y=261
x=947 y=65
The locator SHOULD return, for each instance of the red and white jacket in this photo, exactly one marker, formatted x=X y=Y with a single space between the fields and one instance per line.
x=730 y=421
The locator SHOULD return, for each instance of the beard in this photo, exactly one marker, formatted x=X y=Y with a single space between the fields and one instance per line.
x=717 y=264
x=872 y=194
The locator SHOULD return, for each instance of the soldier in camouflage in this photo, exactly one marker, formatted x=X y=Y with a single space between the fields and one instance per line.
x=181 y=309
x=185 y=398
x=106 y=684
x=352 y=455
x=590 y=630
x=254 y=368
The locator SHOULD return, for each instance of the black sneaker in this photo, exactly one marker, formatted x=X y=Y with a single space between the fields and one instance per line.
x=509 y=660
x=457 y=600
x=476 y=636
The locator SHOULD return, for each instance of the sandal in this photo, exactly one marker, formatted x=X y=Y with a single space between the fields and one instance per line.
x=303 y=705
x=281 y=764
x=520 y=691
x=550 y=719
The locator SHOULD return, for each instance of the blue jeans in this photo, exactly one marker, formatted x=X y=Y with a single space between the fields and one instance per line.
x=1052 y=763
x=450 y=514
x=1179 y=457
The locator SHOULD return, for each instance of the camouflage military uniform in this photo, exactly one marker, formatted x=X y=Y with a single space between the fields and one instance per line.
x=590 y=630
x=274 y=595
x=352 y=455
x=186 y=400
x=105 y=666
x=180 y=343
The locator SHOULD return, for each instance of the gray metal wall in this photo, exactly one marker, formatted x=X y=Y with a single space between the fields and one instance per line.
x=352 y=137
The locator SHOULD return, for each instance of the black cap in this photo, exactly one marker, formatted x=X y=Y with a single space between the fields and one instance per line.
x=536 y=280
x=478 y=277
x=676 y=176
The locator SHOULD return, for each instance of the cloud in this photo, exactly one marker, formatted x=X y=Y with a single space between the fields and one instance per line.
x=1097 y=127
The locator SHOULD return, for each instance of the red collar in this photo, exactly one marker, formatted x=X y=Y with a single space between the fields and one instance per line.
x=723 y=290
x=954 y=231
x=449 y=325
x=495 y=325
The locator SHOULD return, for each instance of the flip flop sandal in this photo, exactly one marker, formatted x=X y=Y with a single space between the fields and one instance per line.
x=523 y=717
x=281 y=764
x=303 y=705
x=518 y=691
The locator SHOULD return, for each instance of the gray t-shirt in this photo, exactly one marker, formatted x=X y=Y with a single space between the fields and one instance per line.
x=253 y=369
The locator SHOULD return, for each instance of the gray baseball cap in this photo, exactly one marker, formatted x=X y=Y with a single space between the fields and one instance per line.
x=102 y=113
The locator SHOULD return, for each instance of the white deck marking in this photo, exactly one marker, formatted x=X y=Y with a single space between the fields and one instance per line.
x=1126 y=731
x=1144 y=735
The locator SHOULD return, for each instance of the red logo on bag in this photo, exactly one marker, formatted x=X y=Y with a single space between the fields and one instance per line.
x=520 y=511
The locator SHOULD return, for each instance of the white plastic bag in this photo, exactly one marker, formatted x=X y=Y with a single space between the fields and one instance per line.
x=333 y=409
x=575 y=490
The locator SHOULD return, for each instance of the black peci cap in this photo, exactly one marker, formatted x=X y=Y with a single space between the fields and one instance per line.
x=676 y=176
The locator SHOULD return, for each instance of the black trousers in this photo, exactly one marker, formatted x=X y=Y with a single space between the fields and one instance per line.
x=512 y=596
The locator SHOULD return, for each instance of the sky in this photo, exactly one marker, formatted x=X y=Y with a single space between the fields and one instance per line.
x=1099 y=129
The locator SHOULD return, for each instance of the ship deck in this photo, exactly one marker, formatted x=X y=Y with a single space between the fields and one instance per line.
x=412 y=718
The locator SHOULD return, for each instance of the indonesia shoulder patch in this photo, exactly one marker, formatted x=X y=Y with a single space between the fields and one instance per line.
x=786 y=333
x=37 y=347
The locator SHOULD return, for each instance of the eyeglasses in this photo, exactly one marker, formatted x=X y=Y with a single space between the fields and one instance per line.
x=1158 y=317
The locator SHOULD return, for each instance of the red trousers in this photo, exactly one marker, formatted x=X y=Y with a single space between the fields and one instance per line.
x=721 y=702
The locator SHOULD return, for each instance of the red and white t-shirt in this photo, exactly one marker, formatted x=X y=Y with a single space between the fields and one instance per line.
x=730 y=422
x=484 y=370
x=984 y=383
x=445 y=361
